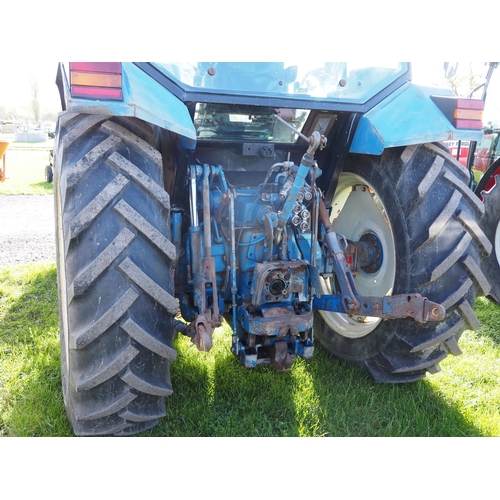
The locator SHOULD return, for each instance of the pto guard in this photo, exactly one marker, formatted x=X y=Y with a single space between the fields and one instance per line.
x=407 y=117
x=143 y=98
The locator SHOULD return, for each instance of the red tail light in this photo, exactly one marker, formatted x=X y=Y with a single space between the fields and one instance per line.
x=468 y=114
x=463 y=112
x=96 y=80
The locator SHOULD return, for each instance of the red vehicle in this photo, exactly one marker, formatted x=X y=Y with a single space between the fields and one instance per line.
x=486 y=151
x=459 y=150
x=482 y=158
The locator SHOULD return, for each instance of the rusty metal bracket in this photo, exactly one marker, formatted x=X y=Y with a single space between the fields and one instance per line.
x=278 y=280
x=207 y=320
x=281 y=358
x=203 y=336
x=411 y=305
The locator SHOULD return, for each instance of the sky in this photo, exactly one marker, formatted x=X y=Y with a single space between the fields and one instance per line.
x=15 y=83
x=35 y=38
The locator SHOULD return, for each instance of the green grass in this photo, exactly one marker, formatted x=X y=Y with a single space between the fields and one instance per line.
x=25 y=167
x=215 y=396
x=30 y=396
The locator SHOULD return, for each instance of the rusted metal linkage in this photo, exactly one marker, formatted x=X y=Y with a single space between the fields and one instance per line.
x=352 y=303
x=391 y=307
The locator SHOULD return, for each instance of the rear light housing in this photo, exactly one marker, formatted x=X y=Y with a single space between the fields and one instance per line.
x=462 y=112
x=96 y=80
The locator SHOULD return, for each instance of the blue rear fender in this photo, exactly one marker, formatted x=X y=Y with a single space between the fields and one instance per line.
x=143 y=98
x=408 y=116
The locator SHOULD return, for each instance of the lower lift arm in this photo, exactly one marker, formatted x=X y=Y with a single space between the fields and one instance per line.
x=351 y=302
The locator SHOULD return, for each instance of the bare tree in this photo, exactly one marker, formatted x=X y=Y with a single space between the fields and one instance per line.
x=467 y=78
x=35 y=98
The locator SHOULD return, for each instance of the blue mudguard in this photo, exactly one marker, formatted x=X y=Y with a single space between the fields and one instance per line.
x=409 y=116
x=143 y=98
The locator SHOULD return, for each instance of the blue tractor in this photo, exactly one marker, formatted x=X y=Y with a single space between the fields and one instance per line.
x=301 y=203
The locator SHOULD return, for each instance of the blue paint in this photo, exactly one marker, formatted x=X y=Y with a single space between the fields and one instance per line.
x=143 y=98
x=408 y=116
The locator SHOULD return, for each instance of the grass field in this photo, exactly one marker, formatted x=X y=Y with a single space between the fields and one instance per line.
x=25 y=167
x=215 y=396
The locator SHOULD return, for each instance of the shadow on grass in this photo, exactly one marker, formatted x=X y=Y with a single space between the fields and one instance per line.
x=213 y=394
x=221 y=398
x=354 y=405
x=339 y=401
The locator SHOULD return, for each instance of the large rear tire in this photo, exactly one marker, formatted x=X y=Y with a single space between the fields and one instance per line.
x=417 y=204
x=115 y=276
x=491 y=227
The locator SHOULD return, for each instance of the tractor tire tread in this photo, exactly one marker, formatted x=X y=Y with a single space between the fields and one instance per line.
x=438 y=215
x=491 y=226
x=120 y=305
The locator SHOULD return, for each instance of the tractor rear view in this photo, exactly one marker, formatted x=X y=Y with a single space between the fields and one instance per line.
x=300 y=204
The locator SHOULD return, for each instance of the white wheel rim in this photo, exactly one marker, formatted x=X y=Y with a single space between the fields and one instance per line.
x=362 y=213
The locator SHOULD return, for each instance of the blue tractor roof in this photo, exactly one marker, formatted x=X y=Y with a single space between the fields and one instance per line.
x=334 y=82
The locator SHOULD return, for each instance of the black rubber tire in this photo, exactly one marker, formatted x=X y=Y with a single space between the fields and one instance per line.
x=115 y=274
x=438 y=243
x=491 y=227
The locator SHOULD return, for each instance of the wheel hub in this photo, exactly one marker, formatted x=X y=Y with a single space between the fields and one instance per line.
x=365 y=254
x=362 y=219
